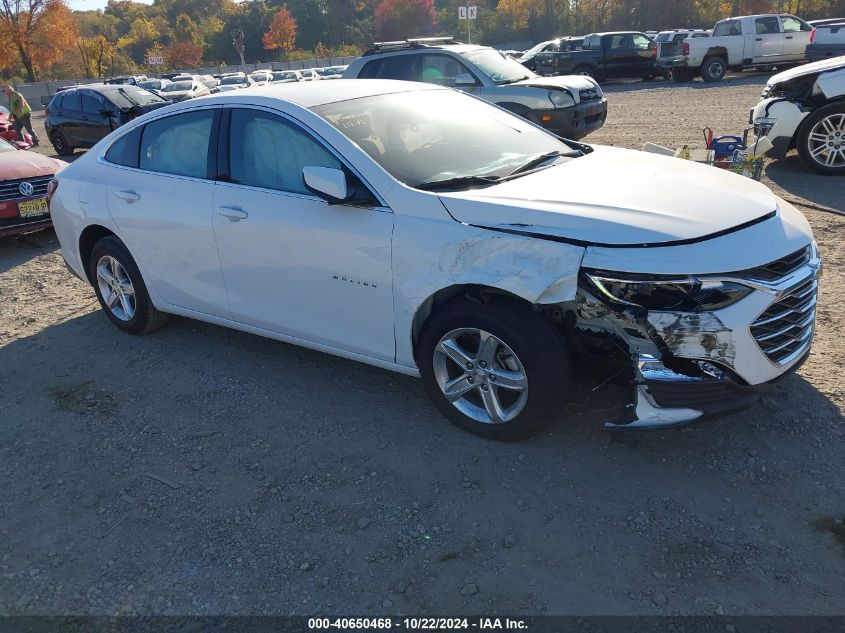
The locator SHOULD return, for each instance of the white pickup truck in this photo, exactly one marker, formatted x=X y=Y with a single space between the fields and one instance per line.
x=753 y=40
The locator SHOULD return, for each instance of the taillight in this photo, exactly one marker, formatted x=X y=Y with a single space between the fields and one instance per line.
x=812 y=35
x=51 y=189
x=685 y=48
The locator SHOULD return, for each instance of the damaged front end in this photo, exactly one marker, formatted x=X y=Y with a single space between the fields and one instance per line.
x=699 y=346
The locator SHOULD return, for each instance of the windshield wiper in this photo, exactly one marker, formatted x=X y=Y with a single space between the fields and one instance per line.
x=542 y=158
x=458 y=182
x=127 y=97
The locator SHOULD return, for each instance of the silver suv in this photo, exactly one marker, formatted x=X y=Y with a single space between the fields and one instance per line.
x=569 y=106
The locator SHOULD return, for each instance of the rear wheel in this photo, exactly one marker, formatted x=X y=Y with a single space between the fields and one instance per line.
x=121 y=290
x=821 y=141
x=61 y=144
x=498 y=369
x=713 y=69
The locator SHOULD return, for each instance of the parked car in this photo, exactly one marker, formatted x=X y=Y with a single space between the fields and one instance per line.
x=261 y=77
x=24 y=177
x=737 y=43
x=569 y=106
x=286 y=76
x=208 y=81
x=154 y=85
x=804 y=108
x=80 y=117
x=827 y=40
x=818 y=23
x=123 y=80
x=424 y=231
x=309 y=74
x=527 y=58
x=604 y=56
x=669 y=47
x=181 y=89
x=332 y=72
x=233 y=82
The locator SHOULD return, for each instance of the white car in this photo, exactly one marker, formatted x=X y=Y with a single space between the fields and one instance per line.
x=261 y=77
x=804 y=108
x=367 y=220
x=309 y=74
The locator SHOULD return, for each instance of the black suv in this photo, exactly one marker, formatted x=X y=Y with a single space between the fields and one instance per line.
x=79 y=117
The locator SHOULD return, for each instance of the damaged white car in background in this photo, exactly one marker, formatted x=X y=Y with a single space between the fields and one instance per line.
x=425 y=231
x=803 y=108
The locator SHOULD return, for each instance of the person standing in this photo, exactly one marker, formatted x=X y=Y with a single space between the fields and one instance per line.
x=21 y=113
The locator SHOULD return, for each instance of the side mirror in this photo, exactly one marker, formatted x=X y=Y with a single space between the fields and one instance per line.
x=465 y=79
x=327 y=183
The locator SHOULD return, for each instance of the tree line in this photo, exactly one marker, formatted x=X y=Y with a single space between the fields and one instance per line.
x=44 y=39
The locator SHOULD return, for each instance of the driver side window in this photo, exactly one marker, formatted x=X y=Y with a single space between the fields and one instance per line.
x=442 y=70
x=266 y=151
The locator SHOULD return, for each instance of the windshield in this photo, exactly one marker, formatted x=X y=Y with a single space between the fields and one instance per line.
x=178 y=86
x=129 y=96
x=281 y=76
x=231 y=81
x=535 y=49
x=500 y=68
x=155 y=85
x=259 y=77
x=665 y=36
x=419 y=137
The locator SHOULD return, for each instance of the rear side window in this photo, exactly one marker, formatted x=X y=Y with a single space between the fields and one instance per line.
x=72 y=101
x=178 y=144
x=396 y=67
x=124 y=151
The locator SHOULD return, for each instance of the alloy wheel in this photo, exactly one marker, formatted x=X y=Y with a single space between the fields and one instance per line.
x=116 y=288
x=480 y=375
x=826 y=141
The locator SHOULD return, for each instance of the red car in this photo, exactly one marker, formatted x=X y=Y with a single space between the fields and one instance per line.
x=24 y=177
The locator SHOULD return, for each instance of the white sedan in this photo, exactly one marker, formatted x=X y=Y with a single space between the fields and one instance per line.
x=428 y=232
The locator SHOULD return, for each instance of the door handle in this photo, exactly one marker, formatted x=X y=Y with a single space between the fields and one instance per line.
x=233 y=214
x=789 y=37
x=758 y=39
x=128 y=196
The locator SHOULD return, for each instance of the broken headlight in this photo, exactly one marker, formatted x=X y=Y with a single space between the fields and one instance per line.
x=688 y=294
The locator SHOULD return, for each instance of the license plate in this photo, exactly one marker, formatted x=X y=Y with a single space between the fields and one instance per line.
x=31 y=208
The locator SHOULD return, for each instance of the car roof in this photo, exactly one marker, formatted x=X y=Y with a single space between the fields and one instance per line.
x=310 y=94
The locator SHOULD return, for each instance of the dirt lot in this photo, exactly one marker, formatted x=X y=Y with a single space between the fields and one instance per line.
x=200 y=470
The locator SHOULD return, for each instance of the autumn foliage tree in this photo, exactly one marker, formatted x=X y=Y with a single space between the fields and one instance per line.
x=282 y=32
x=400 y=19
x=37 y=31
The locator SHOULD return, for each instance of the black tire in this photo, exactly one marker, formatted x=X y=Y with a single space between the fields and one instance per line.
x=713 y=69
x=837 y=112
x=61 y=144
x=146 y=317
x=538 y=347
x=586 y=71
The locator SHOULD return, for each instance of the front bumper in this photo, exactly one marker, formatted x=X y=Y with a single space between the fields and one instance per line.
x=692 y=365
x=576 y=121
x=16 y=226
x=778 y=119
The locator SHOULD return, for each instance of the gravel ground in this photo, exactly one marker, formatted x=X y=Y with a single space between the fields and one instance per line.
x=199 y=470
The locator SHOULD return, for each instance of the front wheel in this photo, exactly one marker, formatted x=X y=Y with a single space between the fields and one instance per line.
x=713 y=69
x=821 y=141
x=497 y=369
x=121 y=290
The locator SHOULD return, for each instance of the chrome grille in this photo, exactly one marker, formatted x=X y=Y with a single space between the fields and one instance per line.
x=785 y=329
x=10 y=189
x=779 y=268
x=589 y=94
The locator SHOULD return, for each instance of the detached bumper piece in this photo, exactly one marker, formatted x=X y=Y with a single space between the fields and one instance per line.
x=664 y=398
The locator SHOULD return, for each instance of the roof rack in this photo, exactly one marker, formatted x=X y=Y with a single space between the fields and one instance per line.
x=417 y=42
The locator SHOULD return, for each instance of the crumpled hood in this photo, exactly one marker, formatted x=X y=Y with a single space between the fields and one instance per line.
x=824 y=65
x=562 y=82
x=24 y=164
x=617 y=197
